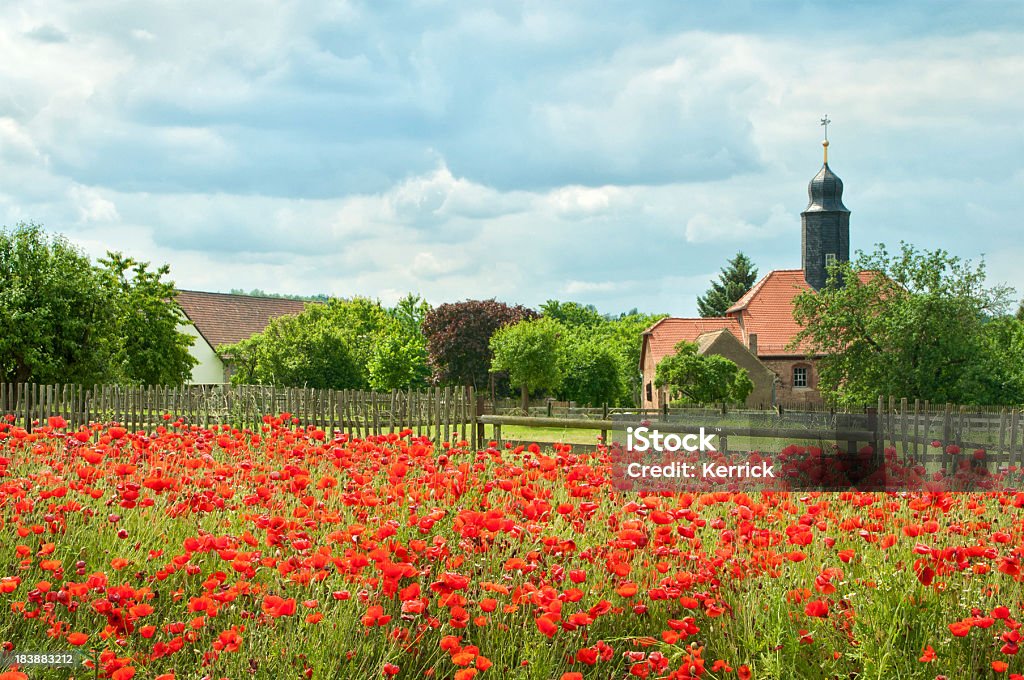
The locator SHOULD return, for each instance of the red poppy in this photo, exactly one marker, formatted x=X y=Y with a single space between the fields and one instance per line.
x=816 y=608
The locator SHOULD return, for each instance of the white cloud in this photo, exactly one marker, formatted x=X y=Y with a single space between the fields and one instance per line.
x=91 y=206
x=616 y=154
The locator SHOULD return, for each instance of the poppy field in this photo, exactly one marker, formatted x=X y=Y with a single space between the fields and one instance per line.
x=289 y=552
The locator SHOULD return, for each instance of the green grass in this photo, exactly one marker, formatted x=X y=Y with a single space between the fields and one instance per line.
x=544 y=435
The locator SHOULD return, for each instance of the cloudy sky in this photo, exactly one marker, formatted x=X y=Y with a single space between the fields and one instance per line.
x=614 y=153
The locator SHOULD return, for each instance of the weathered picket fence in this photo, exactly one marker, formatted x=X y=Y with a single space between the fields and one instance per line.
x=442 y=414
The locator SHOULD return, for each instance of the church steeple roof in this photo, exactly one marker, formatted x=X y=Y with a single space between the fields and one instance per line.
x=825 y=191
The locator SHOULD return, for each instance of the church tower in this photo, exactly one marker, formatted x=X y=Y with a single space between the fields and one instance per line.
x=825 y=223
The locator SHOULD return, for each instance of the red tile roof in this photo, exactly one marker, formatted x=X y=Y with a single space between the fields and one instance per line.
x=766 y=309
x=225 y=318
x=661 y=338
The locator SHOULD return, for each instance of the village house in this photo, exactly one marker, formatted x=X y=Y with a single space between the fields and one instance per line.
x=761 y=322
x=220 y=319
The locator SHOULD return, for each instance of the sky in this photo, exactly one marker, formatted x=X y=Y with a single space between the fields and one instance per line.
x=614 y=153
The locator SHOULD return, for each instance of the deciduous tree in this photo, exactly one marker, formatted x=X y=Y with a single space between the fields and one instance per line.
x=150 y=350
x=458 y=338
x=702 y=379
x=913 y=324
x=64 y=320
x=310 y=349
x=591 y=375
x=528 y=351
x=56 y=316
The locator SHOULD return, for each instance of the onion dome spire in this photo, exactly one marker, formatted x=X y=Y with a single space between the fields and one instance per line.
x=825 y=223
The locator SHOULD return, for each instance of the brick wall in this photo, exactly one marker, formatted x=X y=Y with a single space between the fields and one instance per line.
x=785 y=392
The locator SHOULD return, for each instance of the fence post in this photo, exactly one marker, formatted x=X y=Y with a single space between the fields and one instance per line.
x=877 y=419
x=947 y=433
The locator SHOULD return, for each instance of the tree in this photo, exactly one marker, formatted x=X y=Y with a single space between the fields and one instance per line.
x=572 y=313
x=458 y=338
x=409 y=312
x=151 y=350
x=528 y=350
x=735 y=279
x=914 y=324
x=1020 y=311
x=590 y=369
x=398 y=362
x=55 y=313
x=309 y=349
x=399 y=358
x=64 y=320
x=259 y=292
x=702 y=379
x=341 y=344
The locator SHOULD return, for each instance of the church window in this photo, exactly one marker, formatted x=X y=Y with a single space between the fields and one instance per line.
x=650 y=393
x=800 y=376
x=830 y=259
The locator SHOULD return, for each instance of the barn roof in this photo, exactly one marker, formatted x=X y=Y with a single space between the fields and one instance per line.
x=226 y=318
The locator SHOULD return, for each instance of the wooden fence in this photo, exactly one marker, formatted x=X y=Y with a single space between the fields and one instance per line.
x=442 y=414
x=914 y=427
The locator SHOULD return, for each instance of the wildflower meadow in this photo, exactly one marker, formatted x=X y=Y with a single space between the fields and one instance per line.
x=285 y=551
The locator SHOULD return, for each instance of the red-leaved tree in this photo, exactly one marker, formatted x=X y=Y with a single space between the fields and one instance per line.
x=458 y=338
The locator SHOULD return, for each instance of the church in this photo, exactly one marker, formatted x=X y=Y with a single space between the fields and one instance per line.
x=756 y=332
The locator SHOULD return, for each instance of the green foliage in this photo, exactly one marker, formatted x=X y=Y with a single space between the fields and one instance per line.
x=920 y=326
x=64 y=320
x=735 y=279
x=398 y=362
x=151 y=350
x=1020 y=311
x=309 y=349
x=590 y=369
x=55 y=313
x=342 y=344
x=259 y=292
x=695 y=378
x=528 y=351
x=572 y=314
x=620 y=335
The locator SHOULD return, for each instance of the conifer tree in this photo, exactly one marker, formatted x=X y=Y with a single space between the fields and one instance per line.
x=737 y=276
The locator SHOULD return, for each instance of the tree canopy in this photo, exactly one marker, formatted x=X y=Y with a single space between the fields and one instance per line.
x=572 y=314
x=529 y=352
x=65 y=320
x=151 y=350
x=735 y=279
x=591 y=374
x=341 y=344
x=919 y=325
x=696 y=378
x=458 y=336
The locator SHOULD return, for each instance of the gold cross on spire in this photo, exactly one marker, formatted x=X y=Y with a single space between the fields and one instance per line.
x=824 y=123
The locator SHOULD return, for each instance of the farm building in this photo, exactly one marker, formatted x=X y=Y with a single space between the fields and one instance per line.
x=762 y=320
x=222 y=319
